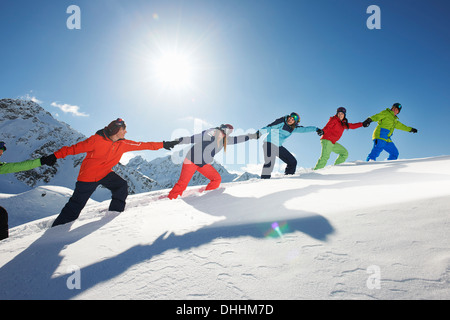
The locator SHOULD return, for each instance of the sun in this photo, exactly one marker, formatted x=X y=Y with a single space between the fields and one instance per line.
x=174 y=70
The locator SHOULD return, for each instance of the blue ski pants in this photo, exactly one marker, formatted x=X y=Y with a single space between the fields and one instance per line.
x=380 y=145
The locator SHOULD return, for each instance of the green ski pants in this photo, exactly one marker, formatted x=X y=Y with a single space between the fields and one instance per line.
x=327 y=148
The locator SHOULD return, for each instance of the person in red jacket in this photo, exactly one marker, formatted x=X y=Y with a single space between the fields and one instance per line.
x=103 y=151
x=332 y=132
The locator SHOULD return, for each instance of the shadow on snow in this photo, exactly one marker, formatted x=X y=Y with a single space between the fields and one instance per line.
x=40 y=260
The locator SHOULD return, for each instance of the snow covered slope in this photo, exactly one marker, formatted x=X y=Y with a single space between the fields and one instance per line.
x=377 y=230
x=35 y=204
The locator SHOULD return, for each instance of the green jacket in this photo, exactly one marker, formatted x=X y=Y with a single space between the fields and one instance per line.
x=387 y=122
x=19 y=166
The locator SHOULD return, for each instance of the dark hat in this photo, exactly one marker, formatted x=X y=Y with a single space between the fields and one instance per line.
x=2 y=146
x=295 y=116
x=226 y=128
x=341 y=109
x=397 y=105
x=114 y=126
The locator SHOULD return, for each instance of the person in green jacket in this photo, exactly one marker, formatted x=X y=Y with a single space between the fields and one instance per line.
x=387 y=122
x=17 y=167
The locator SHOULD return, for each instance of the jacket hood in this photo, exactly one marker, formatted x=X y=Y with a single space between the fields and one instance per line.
x=390 y=110
x=103 y=134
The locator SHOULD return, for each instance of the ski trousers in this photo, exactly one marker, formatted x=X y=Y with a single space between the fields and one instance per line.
x=271 y=151
x=188 y=170
x=327 y=148
x=380 y=145
x=4 y=233
x=84 y=190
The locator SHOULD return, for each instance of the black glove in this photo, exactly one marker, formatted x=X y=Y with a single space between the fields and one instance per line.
x=49 y=160
x=319 y=132
x=413 y=130
x=367 y=122
x=168 y=145
x=254 y=135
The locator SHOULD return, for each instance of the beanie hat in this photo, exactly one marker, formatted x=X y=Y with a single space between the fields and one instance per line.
x=341 y=109
x=2 y=146
x=114 y=127
x=226 y=128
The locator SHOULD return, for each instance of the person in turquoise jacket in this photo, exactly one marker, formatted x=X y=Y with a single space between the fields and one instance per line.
x=387 y=123
x=278 y=131
x=17 y=167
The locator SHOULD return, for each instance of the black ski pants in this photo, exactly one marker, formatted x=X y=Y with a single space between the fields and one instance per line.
x=84 y=190
x=272 y=151
x=4 y=233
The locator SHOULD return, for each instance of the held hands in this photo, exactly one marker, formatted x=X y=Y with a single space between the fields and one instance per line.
x=49 y=160
x=367 y=122
x=255 y=135
x=319 y=132
x=413 y=130
x=168 y=145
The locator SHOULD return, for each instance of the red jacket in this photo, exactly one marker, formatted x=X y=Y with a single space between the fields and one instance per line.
x=102 y=154
x=335 y=128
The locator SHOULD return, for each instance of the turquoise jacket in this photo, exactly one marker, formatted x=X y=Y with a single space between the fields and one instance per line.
x=278 y=131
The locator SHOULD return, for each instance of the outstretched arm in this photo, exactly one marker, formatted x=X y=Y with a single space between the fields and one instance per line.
x=305 y=129
x=375 y=117
x=80 y=147
x=207 y=134
x=19 y=166
x=277 y=124
x=355 y=125
x=403 y=127
x=240 y=139
x=136 y=146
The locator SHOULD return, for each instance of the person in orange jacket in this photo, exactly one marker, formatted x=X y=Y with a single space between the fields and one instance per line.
x=103 y=151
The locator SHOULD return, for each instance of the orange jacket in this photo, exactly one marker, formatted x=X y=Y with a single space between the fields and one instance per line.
x=102 y=154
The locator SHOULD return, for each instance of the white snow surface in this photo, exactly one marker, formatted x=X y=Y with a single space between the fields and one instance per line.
x=376 y=230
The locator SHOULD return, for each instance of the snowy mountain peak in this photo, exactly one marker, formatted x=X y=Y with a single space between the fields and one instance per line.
x=31 y=132
x=17 y=108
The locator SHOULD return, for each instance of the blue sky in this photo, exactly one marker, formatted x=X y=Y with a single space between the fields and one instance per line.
x=249 y=62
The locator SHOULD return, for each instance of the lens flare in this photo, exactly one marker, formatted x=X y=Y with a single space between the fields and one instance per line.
x=277 y=230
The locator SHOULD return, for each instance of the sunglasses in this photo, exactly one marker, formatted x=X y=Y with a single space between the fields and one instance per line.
x=295 y=117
